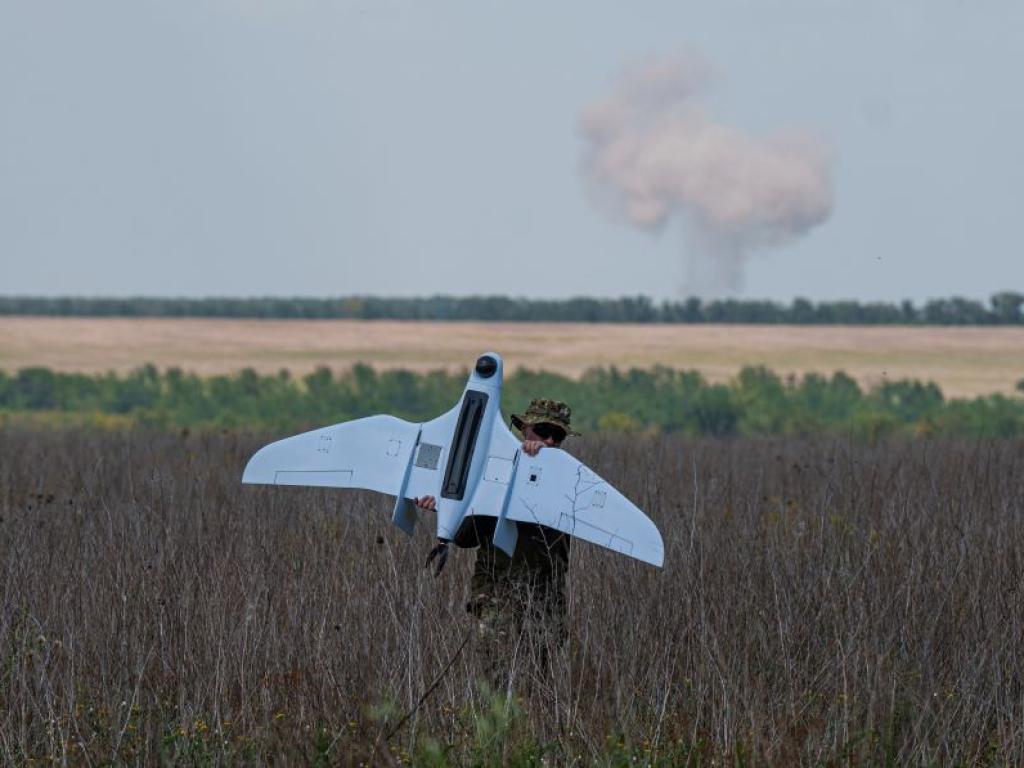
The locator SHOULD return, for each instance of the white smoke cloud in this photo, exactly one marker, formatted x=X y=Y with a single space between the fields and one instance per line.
x=653 y=153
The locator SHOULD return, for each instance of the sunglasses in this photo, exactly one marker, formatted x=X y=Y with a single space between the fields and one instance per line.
x=544 y=431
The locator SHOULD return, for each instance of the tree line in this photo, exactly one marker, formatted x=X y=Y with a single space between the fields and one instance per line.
x=1003 y=308
x=756 y=402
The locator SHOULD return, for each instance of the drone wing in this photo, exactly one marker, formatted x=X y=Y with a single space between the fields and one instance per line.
x=371 y=453
x=557 y=490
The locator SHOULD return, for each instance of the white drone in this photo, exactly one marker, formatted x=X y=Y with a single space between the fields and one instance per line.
x=472 y=463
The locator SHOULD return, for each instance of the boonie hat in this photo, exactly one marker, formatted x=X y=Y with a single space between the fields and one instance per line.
x=544 y=411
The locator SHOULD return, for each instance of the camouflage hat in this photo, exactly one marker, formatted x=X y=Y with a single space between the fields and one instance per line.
x=544 y=411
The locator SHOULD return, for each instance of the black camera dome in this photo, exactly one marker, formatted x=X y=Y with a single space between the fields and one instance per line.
x=486 y=366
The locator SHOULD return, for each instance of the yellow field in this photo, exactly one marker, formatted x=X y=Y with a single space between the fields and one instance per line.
x=963 y=361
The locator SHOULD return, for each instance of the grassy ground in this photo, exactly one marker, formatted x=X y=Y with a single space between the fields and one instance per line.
x=822 y=604
x=964 y=361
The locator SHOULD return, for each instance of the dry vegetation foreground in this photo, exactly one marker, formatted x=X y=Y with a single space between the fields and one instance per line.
x=822 y=603
x=964 y=361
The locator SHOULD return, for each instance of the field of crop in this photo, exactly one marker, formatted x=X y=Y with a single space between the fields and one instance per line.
x=964 y=361
x=822 y=603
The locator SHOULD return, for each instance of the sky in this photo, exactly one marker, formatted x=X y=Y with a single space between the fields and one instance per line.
x=399 y=147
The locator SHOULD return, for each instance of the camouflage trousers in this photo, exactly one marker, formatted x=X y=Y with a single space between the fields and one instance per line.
x=516 y=631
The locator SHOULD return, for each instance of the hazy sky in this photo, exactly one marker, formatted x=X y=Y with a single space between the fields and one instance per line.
x=307 y=147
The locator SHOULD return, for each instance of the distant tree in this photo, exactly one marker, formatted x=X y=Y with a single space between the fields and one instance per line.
x=1006 y=306
x=141 y=389
x=955 y=311
x=6 y=391
x=35 y=389
x=715 y=411
x=802 y=312
x=617 y=421
x=762 y=400
x=908 y=314
x=909 y=401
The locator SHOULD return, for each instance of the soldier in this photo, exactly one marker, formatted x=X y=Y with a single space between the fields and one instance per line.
x=522 y=596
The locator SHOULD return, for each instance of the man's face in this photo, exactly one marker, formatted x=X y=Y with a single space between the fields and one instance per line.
x=549 y=434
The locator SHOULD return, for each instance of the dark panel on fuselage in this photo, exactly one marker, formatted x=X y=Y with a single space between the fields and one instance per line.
x=457 y=472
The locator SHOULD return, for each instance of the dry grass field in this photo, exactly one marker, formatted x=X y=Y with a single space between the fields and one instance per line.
x=822 y=604
x=964 y=361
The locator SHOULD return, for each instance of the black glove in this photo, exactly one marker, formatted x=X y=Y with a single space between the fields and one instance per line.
x=441 y=553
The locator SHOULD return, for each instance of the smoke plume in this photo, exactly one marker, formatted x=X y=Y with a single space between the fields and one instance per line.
x=653 y=153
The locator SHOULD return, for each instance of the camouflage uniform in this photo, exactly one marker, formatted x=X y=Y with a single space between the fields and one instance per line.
x=523 y=597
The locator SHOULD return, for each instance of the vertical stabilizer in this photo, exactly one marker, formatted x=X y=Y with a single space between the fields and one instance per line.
x=505 y=536
x=505 y=531
x=404 y=514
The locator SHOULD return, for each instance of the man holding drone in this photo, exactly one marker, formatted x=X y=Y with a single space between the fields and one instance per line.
x=525 y=591
x=518 y=503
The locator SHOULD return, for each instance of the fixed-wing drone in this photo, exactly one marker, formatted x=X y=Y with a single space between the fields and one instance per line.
x=472 y=463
